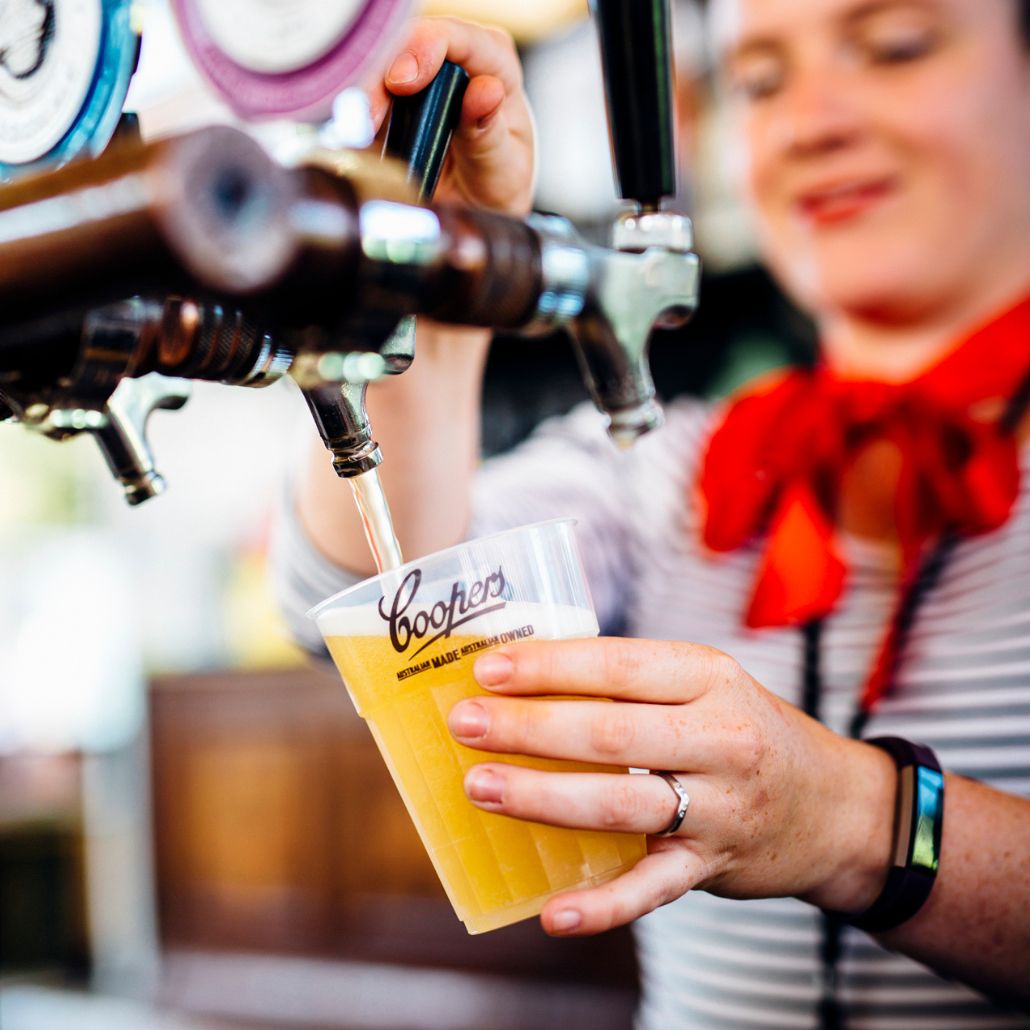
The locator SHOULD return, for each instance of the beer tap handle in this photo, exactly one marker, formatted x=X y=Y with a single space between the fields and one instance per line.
x=123 y=436
x=637 y=67
x=421 y=127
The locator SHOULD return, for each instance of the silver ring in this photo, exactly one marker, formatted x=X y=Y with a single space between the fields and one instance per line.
x=684 y=802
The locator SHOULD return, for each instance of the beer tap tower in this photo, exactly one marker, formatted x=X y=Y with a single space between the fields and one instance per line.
x=200 y=257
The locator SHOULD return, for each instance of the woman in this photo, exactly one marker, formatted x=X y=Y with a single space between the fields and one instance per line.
x=852 y=542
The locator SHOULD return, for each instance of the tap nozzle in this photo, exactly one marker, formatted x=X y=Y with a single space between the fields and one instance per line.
x=339 y=407
x=122 y=435
x=339 y=413
x=627 y=425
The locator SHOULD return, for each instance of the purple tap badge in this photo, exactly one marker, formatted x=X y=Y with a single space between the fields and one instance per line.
x=292 y=58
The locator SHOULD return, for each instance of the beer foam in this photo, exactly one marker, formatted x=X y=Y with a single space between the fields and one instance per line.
x=549 y=621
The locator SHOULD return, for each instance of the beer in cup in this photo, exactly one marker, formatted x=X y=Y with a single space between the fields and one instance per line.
x=405 y=643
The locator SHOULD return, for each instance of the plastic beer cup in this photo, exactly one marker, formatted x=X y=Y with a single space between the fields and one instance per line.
x=404 y=643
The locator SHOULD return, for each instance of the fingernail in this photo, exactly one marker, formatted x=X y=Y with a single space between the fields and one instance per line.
x=469 y=720
x=484 y=785
x=565 y=920
x=404 y=69
x=492 y=669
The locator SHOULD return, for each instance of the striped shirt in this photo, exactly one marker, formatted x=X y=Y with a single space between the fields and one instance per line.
x=963 y=689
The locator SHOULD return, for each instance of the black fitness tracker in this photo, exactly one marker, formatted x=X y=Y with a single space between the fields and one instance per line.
x=918 y=820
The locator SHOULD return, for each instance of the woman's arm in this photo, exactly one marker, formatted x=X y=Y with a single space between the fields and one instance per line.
x=975 y=926
x=779 y=805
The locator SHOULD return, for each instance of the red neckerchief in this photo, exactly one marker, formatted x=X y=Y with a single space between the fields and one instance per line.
x=774 y=467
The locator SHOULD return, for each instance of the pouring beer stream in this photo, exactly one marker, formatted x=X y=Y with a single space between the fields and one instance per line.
x=376 y=520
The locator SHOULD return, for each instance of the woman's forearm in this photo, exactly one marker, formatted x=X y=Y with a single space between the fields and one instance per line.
x=975 y=926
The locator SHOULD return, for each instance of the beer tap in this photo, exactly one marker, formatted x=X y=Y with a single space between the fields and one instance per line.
x=117 y=408
x=97 y=398
x=119 y=424
x=102 y=367
x=418 y=134
x=114 y=385
x=123 y=439
x=651 y=276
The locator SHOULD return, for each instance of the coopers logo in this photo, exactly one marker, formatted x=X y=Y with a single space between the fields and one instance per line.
x=466 y=603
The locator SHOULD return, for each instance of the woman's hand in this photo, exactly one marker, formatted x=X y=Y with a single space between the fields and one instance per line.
x=779 y=805
x=491 y=161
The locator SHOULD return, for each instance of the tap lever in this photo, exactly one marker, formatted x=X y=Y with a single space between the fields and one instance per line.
x=421 y=127
x=637 y=67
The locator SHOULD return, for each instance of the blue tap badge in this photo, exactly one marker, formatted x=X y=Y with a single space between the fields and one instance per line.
x=65 y=67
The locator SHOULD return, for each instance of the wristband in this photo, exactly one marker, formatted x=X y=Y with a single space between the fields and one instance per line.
x=918 y=820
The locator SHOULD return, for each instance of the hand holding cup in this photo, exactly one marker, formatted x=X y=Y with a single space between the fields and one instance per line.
x=779 y=805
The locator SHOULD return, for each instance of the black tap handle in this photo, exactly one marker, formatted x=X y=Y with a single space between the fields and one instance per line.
x=421 y=126
x=637 y=66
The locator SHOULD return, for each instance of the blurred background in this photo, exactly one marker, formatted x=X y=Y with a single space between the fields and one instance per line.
x=195 y=828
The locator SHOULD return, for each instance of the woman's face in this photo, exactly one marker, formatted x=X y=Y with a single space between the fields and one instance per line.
x=888 y=146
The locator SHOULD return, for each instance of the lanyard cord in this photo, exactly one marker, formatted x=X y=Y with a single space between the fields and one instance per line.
x=829 y=1007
